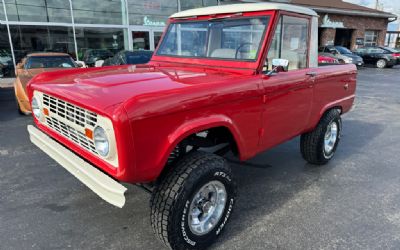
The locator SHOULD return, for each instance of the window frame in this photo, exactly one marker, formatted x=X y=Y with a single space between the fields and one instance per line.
x=278 y=17
x=374 y=36
x=211 y=62
x=259 y=49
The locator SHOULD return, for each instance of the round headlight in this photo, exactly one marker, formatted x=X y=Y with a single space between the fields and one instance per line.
x=101 y=141
x=36 y=107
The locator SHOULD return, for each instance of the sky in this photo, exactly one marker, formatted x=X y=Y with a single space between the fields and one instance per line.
x=392 y=6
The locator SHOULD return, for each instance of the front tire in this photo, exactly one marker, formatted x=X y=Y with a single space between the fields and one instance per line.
x=192 y=204
x=319 y=146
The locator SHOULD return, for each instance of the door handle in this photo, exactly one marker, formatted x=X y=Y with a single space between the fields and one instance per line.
x=312 y=74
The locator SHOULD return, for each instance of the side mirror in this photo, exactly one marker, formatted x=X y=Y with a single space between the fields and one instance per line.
x=279 y=65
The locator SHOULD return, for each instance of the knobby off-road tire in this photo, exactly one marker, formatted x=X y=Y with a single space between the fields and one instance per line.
x=173 y=200
x=319 y=146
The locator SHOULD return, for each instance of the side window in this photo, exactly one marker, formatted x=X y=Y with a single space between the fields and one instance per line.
x=360 y=50
x=290 y=42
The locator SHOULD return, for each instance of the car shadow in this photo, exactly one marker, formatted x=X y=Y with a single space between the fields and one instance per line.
x=275 y=177
x=8 y=106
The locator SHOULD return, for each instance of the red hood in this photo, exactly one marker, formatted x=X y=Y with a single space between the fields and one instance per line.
x=100 y=88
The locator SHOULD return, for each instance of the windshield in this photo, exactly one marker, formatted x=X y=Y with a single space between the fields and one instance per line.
x=35 y=62
x=343 y=50
x=237 y=39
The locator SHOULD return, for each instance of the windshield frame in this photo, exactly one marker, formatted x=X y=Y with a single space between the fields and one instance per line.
x=266 y=18
x=216 y=62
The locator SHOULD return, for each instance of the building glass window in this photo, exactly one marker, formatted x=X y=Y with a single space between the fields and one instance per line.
x=192 y=4
x=27 y=39
x=151 y=13
x=38 y=11
x=290 y=42
x=371 y=38
x=6 y=62
x=99 y=11
x=99 y=43
x=2 y=16
x=210 y=2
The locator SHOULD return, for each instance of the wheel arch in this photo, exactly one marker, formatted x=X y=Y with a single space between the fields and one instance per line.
x=192 y=127
x=324 y=110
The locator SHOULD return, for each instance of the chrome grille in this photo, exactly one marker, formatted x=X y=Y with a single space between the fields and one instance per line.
x=72 y=113
x=71 y=133
x=70 y=121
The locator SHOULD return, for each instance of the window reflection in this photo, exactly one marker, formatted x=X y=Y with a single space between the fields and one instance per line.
x=99 y=43
x=27 y=39
x=191 y=4
x=151 y=13
x=38 y=10
x=6 y=63
x=2 y=16
x=98 y=12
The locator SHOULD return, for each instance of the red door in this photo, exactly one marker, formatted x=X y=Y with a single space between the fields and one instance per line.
x=287 y=105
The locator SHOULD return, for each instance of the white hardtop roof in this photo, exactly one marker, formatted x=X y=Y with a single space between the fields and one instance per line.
x=244 y=7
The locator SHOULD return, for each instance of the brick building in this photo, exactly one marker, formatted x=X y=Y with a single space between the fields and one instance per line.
x=343 y=23
x=347 y=24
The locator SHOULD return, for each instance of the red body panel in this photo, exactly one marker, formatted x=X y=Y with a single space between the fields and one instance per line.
x=153 y=107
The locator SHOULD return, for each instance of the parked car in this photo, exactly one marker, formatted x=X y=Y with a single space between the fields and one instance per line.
x=344 y=55
x=92 y=55
x=326 y=60
x=32 y=65
x=6 y=63
x=129 y=57
x=166 y=125
x=395 y=53
x=379 y=56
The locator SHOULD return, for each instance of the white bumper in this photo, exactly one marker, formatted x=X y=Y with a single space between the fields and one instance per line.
x=100 y=183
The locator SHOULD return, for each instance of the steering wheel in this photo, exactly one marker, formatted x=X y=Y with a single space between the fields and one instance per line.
x=241 y=46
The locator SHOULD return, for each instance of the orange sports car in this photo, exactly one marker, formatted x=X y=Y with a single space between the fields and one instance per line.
x=30 y=66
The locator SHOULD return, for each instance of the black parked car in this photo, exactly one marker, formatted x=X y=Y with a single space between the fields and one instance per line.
x=381 y=57
x=92 y=55
x=394 y=52
x=129 y=57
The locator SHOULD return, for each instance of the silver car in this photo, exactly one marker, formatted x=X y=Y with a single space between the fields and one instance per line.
x=343 y=55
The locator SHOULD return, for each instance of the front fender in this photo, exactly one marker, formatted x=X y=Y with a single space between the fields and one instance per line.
x=155 y=148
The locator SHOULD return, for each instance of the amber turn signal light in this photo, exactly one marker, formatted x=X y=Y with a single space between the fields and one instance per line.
x=46 y=112
x=89 y=133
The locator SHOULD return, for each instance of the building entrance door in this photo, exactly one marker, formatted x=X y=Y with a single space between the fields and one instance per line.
x=343 y=37
x=145 y=38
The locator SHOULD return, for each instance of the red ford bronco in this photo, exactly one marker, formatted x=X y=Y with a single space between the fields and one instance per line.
x=241 y=78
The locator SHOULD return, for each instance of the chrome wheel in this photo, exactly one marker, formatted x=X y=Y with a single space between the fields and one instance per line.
x=207 y=207
x=381 y=64
x=330 y=138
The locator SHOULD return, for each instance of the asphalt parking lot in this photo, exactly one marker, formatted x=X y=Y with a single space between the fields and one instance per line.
x=284 y=203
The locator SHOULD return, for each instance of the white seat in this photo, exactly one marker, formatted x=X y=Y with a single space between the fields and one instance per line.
x=224 y=53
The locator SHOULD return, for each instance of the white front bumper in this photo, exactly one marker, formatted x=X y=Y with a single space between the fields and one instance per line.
x=100 y=183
